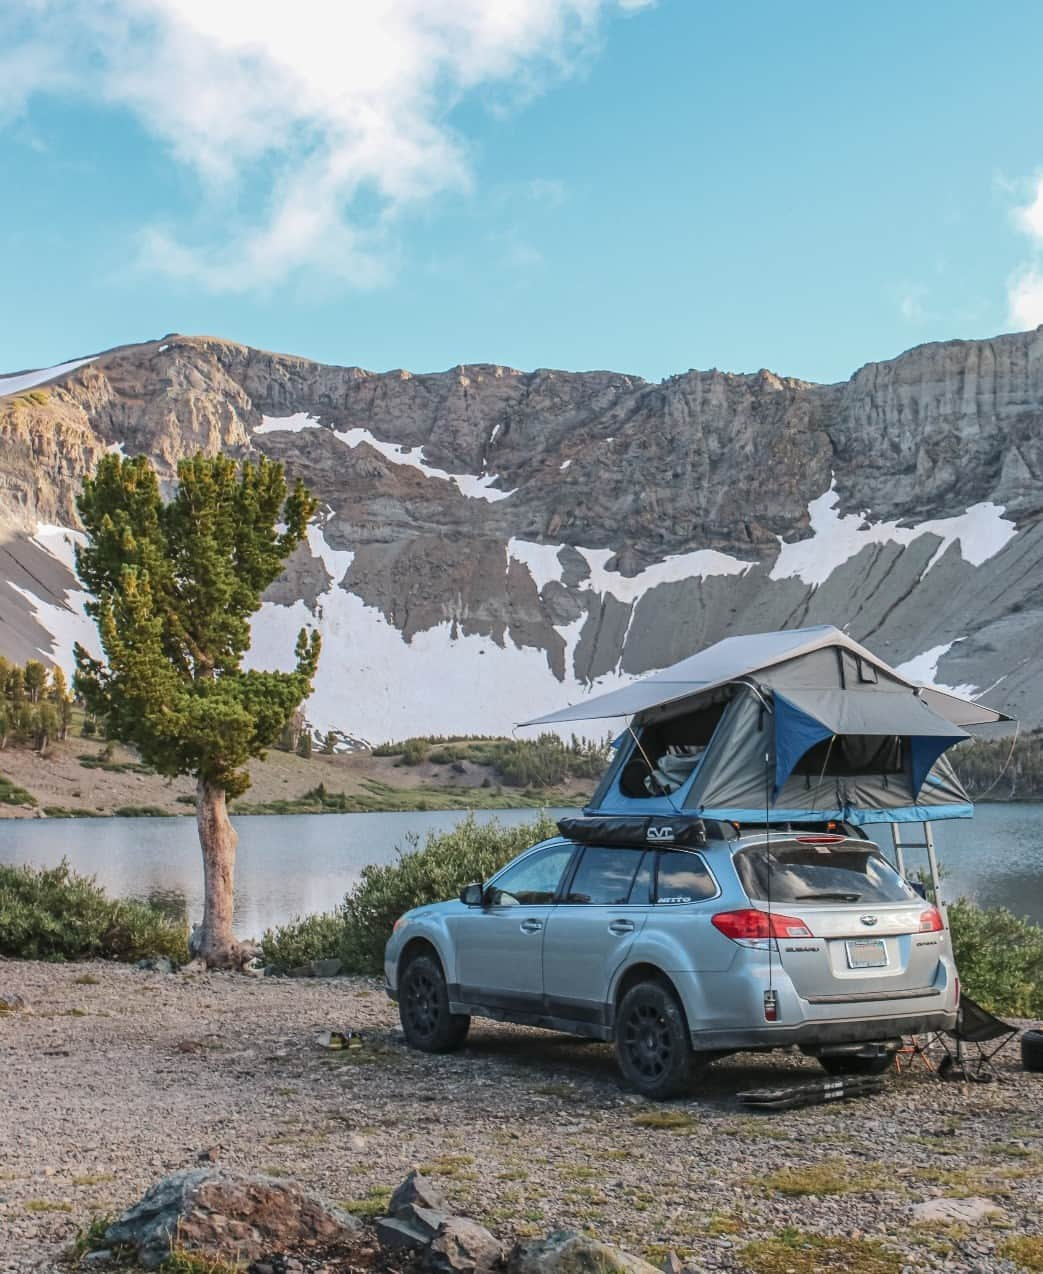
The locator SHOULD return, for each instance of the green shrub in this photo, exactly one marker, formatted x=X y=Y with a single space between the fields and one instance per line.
x=1000 y=958
x=12 y=794
x=304 y=939
x=437 y=870
x=56 y=914
x=426 y=873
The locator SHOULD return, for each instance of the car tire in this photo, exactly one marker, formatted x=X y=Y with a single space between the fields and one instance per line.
x=653 y=1050
x=423 y=1008
x=1032 y=1051
x=854 y=1064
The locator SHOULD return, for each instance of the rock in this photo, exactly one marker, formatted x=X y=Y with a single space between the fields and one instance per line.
x=254 y=968
x=395 y=1234
x=673 y=1264
x=462 y=1246
x=194 y=966
x=417 y=1190
x=234 y=1216
x=155 y=964
x=325 y=968
x=11 y=1002
x=300 y=971
x=961 y=1211
x=356 y=1143
x=566 y=1252
x=100 y=1254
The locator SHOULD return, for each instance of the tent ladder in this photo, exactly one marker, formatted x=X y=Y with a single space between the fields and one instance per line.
x=926 y=844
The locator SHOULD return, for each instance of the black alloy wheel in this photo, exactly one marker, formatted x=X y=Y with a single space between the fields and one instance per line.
x=652 y=1047
x=423 y=1008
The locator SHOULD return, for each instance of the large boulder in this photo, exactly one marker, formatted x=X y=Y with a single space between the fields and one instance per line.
x=566 y=1252
x=231 y=1215
x=462 y=1246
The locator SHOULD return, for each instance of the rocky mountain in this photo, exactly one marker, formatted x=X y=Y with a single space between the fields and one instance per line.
x=493 y=543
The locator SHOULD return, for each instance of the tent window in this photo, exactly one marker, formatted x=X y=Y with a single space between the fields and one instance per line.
x=674 y=748
x=848 y=755
x=866 y=672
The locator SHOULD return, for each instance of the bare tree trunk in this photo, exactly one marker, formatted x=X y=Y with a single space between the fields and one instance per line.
x=215 y=942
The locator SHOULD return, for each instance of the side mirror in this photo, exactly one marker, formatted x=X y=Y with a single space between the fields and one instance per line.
x=472 y=895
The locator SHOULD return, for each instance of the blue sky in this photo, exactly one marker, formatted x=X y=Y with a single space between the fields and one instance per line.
x=640 y=186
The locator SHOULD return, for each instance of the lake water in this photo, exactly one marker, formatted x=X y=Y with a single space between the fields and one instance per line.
x=290 y=865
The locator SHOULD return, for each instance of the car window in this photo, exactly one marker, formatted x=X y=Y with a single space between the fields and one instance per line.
x=604 y=876
x=820 y=873
x=534 y=880
x=683 y=877
x=641 y=890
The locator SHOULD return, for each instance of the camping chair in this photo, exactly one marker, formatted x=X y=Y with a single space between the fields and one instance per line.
x=984 y=1032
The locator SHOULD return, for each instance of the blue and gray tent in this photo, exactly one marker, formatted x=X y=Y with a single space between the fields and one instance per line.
x=786 y=726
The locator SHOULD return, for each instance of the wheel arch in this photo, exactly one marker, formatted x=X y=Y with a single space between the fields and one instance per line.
x=419 y=945
x=644 y=971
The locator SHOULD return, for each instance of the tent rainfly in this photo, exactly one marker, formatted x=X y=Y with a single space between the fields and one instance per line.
x=788 y=726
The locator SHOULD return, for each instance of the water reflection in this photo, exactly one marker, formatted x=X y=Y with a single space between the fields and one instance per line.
x=294 y=864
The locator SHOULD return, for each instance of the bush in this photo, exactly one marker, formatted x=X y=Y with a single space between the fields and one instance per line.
x=999 y=957
x=56 y=914
x=304 y=939
x=437 y=870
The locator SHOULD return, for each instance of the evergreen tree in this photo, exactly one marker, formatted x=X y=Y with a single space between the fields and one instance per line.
x=174 y=586
x=35 y=674
x=304 y=746
x=60 y=697
x=329 y=743
x=16 y=685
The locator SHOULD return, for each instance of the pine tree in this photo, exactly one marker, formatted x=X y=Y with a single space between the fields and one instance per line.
x=60 y=697
x=329 y=743
x=16 y=685
x=35 y=674
x=174 y=586
x=304 y=746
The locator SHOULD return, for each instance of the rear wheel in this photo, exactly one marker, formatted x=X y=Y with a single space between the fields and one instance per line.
x=652 y=1047
x=857 y=1063
x=423 y=1008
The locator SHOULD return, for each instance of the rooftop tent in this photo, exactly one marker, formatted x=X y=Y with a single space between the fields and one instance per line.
x=805 y=724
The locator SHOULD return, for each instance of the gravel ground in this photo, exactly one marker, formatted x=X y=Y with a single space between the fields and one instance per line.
x=115 y=1077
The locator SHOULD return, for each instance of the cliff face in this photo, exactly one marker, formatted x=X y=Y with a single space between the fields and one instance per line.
x=493 y=543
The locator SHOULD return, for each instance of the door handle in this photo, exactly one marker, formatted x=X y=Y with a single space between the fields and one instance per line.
x=531 y=926
x=621 y=926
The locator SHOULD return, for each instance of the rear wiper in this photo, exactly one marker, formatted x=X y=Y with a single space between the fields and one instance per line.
x=838 y=896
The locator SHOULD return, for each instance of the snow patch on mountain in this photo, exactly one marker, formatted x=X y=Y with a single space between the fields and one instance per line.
x=373 y=683
x=287 y=424
x=924 y=668
x=474 y=487
x=981 y=532
x=69 y=623
x=544 y=565
x=29 y=380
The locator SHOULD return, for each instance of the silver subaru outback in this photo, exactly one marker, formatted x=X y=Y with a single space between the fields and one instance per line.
x=759 y=939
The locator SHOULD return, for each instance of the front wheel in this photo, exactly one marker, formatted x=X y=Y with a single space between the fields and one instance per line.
x=423 y=1008
x=652 y=1048
x=856 y=1064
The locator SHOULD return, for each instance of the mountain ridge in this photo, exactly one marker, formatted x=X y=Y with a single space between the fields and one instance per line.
x=580 y=528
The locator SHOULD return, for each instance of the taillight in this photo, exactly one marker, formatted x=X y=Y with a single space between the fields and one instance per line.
x=931 y=921
x=820 y=838
x=751 y=925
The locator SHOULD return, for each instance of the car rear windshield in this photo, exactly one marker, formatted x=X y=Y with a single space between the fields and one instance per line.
x=820 y=874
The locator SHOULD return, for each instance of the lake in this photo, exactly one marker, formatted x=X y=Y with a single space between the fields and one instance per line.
x=289 y=865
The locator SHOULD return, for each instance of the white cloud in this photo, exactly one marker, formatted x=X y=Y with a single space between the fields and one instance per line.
x=338 y=112
x=1025 y=298
x=1025 y=286
x=1030 y=216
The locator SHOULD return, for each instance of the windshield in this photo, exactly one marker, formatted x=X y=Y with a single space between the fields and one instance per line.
x=820 y=873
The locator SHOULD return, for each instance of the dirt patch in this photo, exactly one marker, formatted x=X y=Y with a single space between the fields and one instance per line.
x=524 y=1130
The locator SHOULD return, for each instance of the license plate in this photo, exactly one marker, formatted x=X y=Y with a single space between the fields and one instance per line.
x=866 y=953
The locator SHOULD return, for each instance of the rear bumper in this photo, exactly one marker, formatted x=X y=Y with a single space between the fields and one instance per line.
x=825 y=1033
